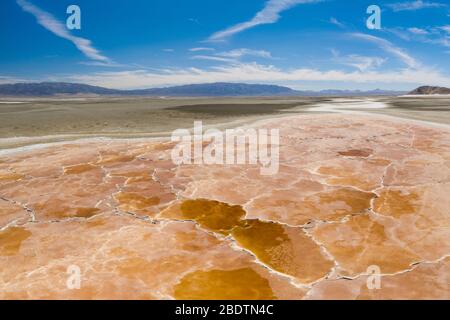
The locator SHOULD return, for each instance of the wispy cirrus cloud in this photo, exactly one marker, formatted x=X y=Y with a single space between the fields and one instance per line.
x=238 y=53
x=49 y=22
x=213 y=58
x=446 y=29
x=418 y=31
x=362 y=63
x=8 y=80
x=233 y=56
x=336 y=22
x=269 y=14
x=390 y=48
x=201 y=49
x=414 y=5
x=438 y=35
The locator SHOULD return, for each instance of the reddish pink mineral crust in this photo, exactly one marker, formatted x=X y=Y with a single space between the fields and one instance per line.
x=351 y=192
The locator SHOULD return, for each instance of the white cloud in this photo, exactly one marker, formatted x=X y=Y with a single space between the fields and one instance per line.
x=50 y=23
x=418 y=31
x=399 y=32
x=201 y=49
x=233 y=56
x=336 y=22
x=269 y=14
x=442 y=41
x=8 y=80
x=238 y=53
x=233 y=70
x=109 y=64
x=213 y=58
x=169 y=50
x=432 y=35
x=414 y=5
x=391 y=48
x=257 y=73
x=194 y=20
x=446 y=28
x=362 y=63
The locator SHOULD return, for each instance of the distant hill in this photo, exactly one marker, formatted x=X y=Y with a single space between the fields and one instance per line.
x=355 y=93
x=218 y=89
x=212 y=89
x=194 y=90
x=430 y=90
x=52 y=88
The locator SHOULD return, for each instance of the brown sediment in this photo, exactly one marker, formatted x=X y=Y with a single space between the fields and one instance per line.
x=11 y=240
x=379 y=162
x=357 y=201
x=86 y=212
x=285 y=249
x=134 y=176
x=213 y=215
x=361 y=242
x=306 y=203
x=239 y=284
x=132 y=201
x=397 y=202
x=115 y=159
x=356 y=153
x=423 y=280
x=12 y=212
x=95 y=223
x=80 y=168
x=348 y=175
x=9 y=176
x=59 y=210
x=134 y=267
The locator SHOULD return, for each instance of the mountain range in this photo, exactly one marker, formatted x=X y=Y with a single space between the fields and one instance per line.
x=430 y=90
x=194 y=90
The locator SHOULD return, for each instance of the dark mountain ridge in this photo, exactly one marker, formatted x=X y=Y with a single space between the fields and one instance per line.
x=52 y=88
x=193 y=90
x=218 y=89
x=424 y=90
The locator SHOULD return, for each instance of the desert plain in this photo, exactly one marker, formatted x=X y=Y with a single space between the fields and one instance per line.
x=89 y=183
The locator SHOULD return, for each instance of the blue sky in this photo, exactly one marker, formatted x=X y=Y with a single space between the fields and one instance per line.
x=304 y=44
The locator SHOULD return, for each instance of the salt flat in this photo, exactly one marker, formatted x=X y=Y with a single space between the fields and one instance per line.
x=41 y=120
x=352 y=191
